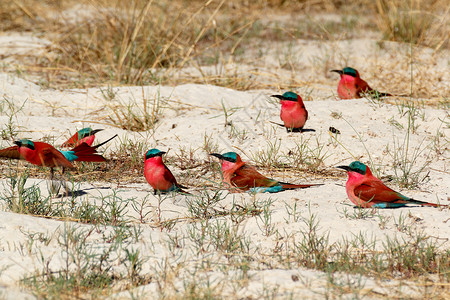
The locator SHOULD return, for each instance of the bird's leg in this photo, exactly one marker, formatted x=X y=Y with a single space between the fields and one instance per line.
x=63 y=181
x=53 y=187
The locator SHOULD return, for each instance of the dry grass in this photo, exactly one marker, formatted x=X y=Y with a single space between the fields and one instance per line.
x=147 y=42
x=418 y=22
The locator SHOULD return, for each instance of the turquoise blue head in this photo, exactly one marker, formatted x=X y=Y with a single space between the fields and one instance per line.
x=84 y=132
x=350 y=71
x=347 y=71
x=87 y=132
x=153 y=153
x=25 y=143
x=228 y=156
x=355 y=166
x=289 y=96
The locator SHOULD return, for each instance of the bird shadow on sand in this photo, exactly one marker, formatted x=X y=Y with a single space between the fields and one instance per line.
x=307 y=130
x=300 y=130
x=78 y=193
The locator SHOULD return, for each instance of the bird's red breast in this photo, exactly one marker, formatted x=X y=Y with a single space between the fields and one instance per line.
x=293 y=114
x=158 y=175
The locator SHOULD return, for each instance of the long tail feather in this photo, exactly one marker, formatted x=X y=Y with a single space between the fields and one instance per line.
x=413 y=201
x=101 y=144
x=89 y=153
x=84 y=152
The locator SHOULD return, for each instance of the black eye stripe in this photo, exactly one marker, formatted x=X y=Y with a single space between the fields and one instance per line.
x=229 y=159
x=30 y=146
x=151 y=155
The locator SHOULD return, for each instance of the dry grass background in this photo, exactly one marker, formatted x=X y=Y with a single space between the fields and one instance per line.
x=118 y=42
x=98 y=42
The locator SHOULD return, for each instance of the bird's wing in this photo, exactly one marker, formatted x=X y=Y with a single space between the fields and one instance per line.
x=84 y=152
x=53 y=158
x=375 y=191
x=169 y=176
x=362 y=87
x=11 y=152
x=247 y=177
x=72 y=141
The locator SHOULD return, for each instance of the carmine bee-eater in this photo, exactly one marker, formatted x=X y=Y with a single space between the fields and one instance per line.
x=351 y=86
x=293 y=111
x=45 y=155
x=85 y=135
x=158 y=175
x=238 y=176
x=365 y=190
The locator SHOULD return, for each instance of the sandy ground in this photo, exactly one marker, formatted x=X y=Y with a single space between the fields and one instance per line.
x=189 y=113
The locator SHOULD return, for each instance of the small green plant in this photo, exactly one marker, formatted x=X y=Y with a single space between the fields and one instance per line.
x=312 y=250
x=142 y=208
x=227 y=113
x=86 y=267
x=236 y=133
x=293 y=212
x=307 y=157
x=204 y=205
x=269 y=157
x=358 y=213
x=209 y=145
x=19 y=197
x=267 y=228
x=408 y=170
x=10 y=130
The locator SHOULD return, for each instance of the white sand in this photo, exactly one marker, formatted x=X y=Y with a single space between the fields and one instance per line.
x=190 y=112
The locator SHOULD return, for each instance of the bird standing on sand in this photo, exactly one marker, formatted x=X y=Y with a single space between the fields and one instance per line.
x=351 y=86
x=45 y=155
x=238 y=176
x=365 y=190
x=85 y=135
x=158 y=175
x=293 y=111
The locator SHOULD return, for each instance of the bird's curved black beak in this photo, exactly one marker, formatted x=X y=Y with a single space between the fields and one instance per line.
x=219 y=156
x=18 y=143
x=161 y=153
x=95 y=131
x=346 y=168
x=338 y=71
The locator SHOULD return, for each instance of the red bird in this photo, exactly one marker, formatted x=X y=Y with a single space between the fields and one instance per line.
x=365 y=190
x=351 y=86
x=293 y=111
x=158 y=175
x=85 y=135
x=238 y=176
x=45 y=155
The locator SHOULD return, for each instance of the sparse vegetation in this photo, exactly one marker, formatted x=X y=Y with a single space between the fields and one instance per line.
x=103 y=233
